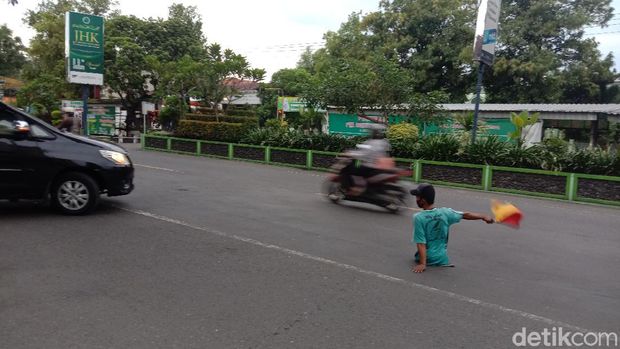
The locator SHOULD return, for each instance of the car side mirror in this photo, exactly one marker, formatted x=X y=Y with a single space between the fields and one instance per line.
x=13 y=129
x=21 y=127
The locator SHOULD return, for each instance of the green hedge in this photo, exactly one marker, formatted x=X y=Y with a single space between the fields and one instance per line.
x=213 y=131
x=241 y=112
x=494 y=151
x=223 y=118
x=279 y=137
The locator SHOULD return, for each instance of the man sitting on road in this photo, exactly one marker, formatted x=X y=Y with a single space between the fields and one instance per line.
x=431 y=228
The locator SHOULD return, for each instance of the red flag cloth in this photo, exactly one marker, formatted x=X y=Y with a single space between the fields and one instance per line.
x=506 y=213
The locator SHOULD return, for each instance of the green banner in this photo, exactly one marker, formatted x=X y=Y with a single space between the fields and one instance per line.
x=101 y=120
x=293 y=105
x=354 y=125
x=84 y=48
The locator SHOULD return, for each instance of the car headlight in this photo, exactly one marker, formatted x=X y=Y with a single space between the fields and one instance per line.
x=116 y=157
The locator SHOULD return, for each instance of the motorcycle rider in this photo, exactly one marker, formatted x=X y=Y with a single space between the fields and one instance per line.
x=372 y=153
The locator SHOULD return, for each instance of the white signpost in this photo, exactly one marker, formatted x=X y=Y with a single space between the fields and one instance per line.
x=484 y=46
x=84 y=54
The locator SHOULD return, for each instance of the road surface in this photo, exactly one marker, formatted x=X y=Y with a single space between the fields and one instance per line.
x=209 y=253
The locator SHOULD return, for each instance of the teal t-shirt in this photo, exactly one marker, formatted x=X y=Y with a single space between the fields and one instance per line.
x=431 y=227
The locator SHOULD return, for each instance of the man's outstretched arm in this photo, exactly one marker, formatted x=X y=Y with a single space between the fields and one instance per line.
x=471 y=216
x=421 y=266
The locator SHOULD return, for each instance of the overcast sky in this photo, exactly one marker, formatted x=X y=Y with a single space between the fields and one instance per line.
x=270 y=33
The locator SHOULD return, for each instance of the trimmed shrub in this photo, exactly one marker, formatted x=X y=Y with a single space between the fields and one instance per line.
x=276 y=123
x=241 y=112
x=553 y=154
x=593 y=161
x=438 y=147
x=223 y=118
x=490 y=150
x=173 y=110
x=212 y=131
x=402 y=138
x=278 y=137
x=516 y=156
x=56 y=117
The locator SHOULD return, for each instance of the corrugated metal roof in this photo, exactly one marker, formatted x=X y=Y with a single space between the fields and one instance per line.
x=250 y=98
x=613 y=109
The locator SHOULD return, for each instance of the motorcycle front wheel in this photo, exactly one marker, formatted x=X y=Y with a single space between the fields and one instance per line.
x=333 y=190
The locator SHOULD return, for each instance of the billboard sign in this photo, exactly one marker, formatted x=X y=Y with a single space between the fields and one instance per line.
x=486 y=31
x=293 y=105
x=102 y=120
x=84 y=48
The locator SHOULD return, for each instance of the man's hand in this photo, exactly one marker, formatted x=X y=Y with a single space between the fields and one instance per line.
x=419 y=268
x=470 y=216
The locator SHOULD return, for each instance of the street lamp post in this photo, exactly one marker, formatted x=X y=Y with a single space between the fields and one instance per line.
x=474 y=127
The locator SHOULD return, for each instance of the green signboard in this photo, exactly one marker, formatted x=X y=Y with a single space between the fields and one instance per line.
x=101 y=120
x=354 y=125
x=84 y=48
x=293 y=105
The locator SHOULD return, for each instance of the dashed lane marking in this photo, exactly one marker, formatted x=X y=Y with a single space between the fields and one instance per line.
x=448 y=294
x=158 y=168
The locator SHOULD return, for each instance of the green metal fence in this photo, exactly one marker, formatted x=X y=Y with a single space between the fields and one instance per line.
x=557 y=185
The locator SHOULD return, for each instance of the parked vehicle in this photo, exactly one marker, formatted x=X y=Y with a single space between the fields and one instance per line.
x=382 y=186
x=39 y=162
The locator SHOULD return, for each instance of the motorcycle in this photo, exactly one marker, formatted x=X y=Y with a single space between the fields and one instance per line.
x=382 y=187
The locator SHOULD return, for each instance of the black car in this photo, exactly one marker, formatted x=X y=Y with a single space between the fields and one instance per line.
x=38 y=162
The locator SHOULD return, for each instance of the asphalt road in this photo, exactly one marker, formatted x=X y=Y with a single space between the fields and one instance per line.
x=209 y=253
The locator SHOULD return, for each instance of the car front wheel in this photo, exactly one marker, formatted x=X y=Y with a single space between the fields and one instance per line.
x=75 y=193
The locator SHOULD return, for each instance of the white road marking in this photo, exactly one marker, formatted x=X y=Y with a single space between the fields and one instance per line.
x=158 y=168
x=452 y=295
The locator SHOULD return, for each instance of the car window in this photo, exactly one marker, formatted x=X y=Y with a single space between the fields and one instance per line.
x=39 y=132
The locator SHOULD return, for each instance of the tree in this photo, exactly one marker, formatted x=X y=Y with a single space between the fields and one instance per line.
x=355 y=83
x=164 y=54
x=291 y=82
x=431 y=40
x=380 y=60
x=269 y=98
x=47 y=47
x=425 y=108
x=217 y=66
x=13 y=2
x=306 y=61
x=542 y=54
x=12 y=58
x=174 y=108
x=543 y=57
x=44 y=92
x=176 y=37
x=179 y=78
x=124 y=74
x=97 y=7
x=343 y=83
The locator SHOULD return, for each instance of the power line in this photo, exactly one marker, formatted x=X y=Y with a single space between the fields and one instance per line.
x=291 y=45
x=603 y=33
x=607 y=26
